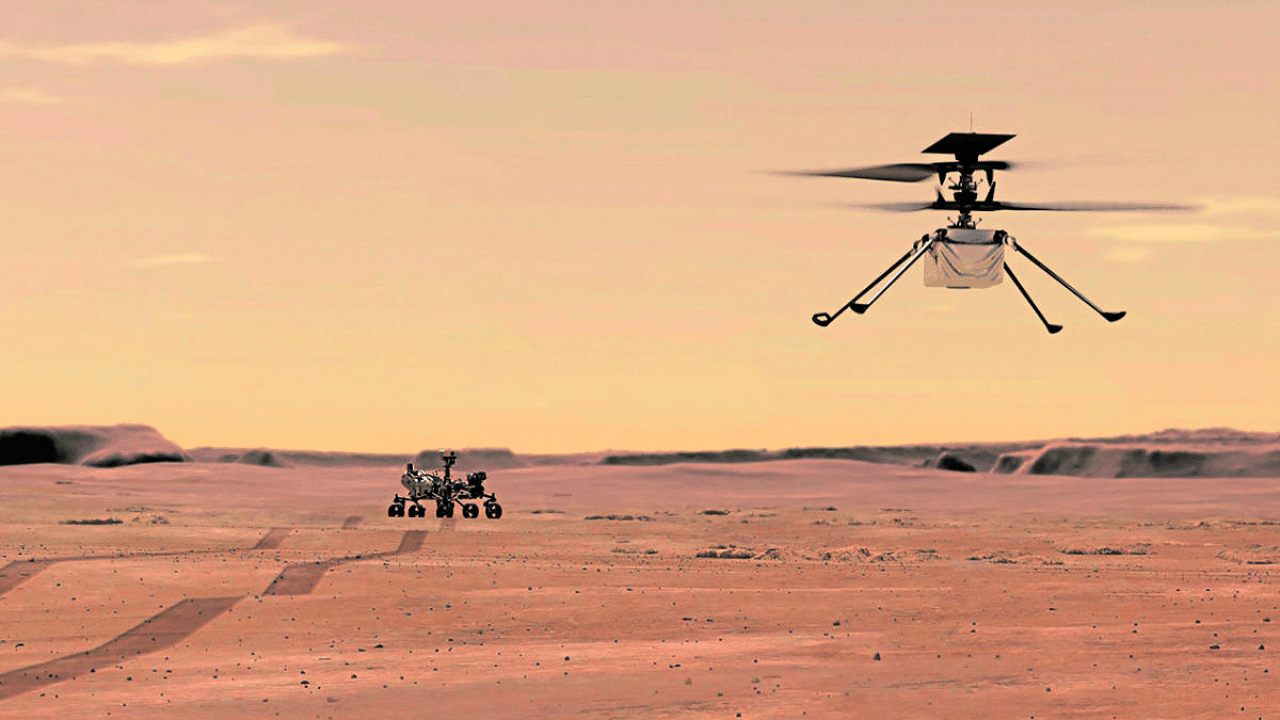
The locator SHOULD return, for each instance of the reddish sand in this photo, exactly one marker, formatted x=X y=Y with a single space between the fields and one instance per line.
x=247 y=591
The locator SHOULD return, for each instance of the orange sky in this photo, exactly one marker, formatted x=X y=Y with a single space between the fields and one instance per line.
x=397 y=225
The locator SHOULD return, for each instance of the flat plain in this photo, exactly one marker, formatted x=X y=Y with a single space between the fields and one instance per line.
x=784 y=589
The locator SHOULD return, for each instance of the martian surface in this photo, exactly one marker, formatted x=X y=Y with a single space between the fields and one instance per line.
x=267 y=584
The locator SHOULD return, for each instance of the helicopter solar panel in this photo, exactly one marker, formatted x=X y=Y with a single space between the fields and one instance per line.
x=967 y=143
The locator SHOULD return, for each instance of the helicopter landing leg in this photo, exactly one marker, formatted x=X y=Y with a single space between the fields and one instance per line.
x=824 y=319
x=1109 y=316
x=1053 y=329
x=919 y=250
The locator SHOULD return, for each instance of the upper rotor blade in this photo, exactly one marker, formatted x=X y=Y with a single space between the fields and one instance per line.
x=898 y=172
x=1091 y=207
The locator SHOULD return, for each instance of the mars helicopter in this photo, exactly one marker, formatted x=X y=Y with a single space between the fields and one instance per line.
x=961 y=255
x=445 y=491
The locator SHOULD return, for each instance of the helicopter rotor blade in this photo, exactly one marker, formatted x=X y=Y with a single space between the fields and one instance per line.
x=938 y=204
x=942 y=203
x=891 y=206
x=897 y=172
x=909 y=172
x=1088 y=207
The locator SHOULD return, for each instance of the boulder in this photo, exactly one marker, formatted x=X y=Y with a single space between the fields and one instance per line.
x=261 y=457
x=1010 y=462
x=949 y=461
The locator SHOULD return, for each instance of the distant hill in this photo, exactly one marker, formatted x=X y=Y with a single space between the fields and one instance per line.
x=712 y=456
x=1247 y=459
x=479 y=458
x=1211 y=452
x=89 y=445
x=293 y=458
x=1217 y=452
x=981 y=456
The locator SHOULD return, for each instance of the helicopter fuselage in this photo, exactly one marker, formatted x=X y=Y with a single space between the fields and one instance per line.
x=970 y=236
x=964 y=258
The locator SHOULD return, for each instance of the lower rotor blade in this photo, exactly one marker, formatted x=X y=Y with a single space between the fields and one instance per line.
x=1091 y=207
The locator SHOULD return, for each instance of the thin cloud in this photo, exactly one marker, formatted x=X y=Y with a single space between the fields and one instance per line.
x=1182 y=232
x=174 y=259
x=28 y=96
x=1242 y=206
x=1129 y=253
x=265 y=40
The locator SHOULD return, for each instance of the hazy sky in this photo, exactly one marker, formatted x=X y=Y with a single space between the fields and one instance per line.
x=396 y=225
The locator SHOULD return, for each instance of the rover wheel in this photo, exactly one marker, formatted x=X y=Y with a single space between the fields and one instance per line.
x=416 y=511
x=448 y=510
x=442 y=509
x=470 y=510
x=493 y=511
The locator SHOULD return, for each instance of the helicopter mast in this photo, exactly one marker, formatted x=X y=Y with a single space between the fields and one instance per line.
x=966 y=194
x=967 y=147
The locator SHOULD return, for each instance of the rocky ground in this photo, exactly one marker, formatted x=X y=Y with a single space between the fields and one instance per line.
x=797 y=588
